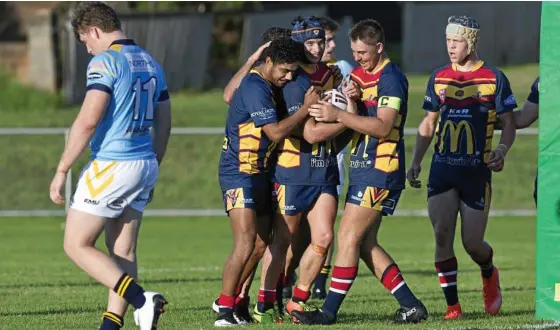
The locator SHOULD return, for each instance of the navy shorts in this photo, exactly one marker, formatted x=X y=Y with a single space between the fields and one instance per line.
x=380 y=199
x=253 y=194
x=474 y=187
x=295 y=199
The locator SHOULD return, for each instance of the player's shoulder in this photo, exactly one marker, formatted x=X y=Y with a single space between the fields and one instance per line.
x=254 y=82
x=442 y=70
x=488 y=71
x=391 y=71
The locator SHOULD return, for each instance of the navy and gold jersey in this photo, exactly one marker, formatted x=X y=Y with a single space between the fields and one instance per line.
x=299 y=162
x=468 y=103
x=246 y=149
x=380 y=162
x=534 y=95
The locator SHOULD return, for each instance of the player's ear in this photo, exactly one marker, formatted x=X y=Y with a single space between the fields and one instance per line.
x=268 y=61
x=379 y=48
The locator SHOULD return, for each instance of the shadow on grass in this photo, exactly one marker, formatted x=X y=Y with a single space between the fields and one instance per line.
x=363 y=318
x=90 y=283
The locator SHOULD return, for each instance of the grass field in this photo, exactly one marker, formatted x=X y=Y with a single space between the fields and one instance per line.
x=188 y=177
x=182 y=258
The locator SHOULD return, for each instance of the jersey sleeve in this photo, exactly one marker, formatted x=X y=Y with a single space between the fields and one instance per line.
x=392 y=91
x=102 y=72
x=294 y=93
x=163 y=93
x=431 y=100
x=505 y=101
x=345 y=68
x=534 y=95
x=259 y=101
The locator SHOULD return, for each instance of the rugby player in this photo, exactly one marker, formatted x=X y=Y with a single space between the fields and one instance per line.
x=252 y=131
x=323 y=78
x=467 y=96
x=331 y=27
x=243 y=298
x=305 y=179
x=269 y=35
x=527 y=116
x=376 y=178
x=126 y=97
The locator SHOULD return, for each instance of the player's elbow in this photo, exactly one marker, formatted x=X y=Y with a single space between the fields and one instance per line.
x=275 y=137
x=227 y=98
x=312 y=136
x=385 y=131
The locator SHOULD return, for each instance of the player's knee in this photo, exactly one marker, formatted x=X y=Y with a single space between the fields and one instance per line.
x=323 y=239
x=260 y=247
x=472 y=245
x=244 y=247
x=125 y=251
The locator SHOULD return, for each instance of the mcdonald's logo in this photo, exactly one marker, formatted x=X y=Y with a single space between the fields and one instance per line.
x=455 y=134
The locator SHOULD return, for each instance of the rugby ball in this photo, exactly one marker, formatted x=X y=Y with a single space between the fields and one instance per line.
x=337 y=99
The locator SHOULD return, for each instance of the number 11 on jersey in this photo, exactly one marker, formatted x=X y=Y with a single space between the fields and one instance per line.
x=144 y=111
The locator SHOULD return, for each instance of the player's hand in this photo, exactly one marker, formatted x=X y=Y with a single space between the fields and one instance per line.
x=496 y=160
x=337 y=74
x=324 y=111
x=412 y=176
x=312 y=96
x=351 y=90
x=257 y=54
x=57 y=185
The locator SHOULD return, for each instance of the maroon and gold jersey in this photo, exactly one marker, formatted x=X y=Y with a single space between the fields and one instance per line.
x=468 y=103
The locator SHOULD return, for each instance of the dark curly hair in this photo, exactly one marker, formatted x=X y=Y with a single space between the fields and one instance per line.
x=275 y=33
x=368 y=31
x=90 y=14
x=284 y=50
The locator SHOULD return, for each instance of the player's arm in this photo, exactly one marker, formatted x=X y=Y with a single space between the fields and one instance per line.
x=428 y=124
x=101 y=76
x=314 y=132
x=242 y=72
x=161 y=129
x=424 y=136
x=524 y=117
x=530 y=112
x=82 y=129
x=279 y=130
x=505 y=103
x=392 y=91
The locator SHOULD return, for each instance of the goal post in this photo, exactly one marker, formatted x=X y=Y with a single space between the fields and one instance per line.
x=548 y=217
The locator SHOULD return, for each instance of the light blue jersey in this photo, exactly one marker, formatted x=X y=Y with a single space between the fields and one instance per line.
x=345 y=68
x=136 y=83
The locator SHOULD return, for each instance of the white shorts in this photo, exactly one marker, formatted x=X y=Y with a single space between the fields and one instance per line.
x=106 y=188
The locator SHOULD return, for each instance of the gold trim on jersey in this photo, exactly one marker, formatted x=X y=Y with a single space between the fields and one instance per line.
x=249 y=142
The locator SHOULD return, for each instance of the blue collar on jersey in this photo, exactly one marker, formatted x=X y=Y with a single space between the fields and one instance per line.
x=128 y=42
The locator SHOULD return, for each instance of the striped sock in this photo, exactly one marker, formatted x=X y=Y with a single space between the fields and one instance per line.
x=226 y=303
x=393 y=281
x=447 y=271
x=341 y=282
x=128 y=289
x=266 y=301
x=111 y=321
